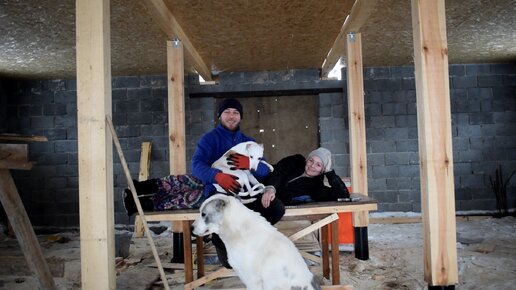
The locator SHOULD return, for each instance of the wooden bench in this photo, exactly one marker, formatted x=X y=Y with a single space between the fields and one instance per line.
x=323 y=213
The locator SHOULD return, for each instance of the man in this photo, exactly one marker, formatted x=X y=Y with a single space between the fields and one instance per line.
x=211 y=147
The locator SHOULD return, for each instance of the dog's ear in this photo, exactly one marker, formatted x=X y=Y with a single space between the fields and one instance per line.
x=248 y=146
x=220 y=204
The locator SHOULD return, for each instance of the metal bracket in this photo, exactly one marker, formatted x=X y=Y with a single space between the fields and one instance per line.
x=352 y=36
x=175 y=42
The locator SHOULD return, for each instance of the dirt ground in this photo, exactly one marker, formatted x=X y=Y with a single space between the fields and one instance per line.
x=486 y=249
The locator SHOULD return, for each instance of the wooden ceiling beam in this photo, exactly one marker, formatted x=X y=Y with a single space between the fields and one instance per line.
x=160 y=12
x=360 y=12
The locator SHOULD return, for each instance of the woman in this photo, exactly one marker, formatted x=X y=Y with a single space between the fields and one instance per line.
x=296 y=180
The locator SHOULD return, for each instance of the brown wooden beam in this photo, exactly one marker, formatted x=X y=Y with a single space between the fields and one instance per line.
x=160 y=12
x=435 y=142
x=95 y=153
x=22 y=227
x=360 y=11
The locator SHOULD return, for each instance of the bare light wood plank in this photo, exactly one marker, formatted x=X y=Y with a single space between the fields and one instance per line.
x=360 y=11
x=145 y=161
x=357 y=127
x=22 y=227
x=160 y=12
x=176 y=107
x=435 y=142
x=94 y=146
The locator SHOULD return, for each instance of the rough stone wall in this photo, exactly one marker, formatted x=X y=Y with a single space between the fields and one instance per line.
x=483 y=125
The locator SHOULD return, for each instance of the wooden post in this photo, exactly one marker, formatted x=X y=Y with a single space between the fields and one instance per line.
x=176 y=107
x=357 y=139
x=435 y=142
x=94 y=145
x=24 y=233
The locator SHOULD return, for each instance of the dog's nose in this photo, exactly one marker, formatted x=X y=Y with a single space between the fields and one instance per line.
x=192 y=230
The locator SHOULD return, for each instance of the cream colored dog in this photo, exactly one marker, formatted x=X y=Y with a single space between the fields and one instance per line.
x=262 y=257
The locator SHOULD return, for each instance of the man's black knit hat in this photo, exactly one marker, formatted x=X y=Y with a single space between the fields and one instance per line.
x=231 y=103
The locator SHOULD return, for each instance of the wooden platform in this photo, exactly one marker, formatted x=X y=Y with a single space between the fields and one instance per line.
x=321 y=214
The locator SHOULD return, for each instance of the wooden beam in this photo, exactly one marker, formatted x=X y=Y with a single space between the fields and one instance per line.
x=435 y=142
x=145 y=161
x=357 y=128
x=360 y=11
x=23 y=138
x=14 y=156
x=176 y=107
x=22 y=227
x=160 y=12
x=94 y=145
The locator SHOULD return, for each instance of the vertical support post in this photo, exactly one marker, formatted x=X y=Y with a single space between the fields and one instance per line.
x=435 y=142
x=357 y=137
x=24 y=232
x=94 y=145
x=176 y=127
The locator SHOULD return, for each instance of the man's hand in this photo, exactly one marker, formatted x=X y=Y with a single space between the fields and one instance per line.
x=228 y=182
x=238 y=161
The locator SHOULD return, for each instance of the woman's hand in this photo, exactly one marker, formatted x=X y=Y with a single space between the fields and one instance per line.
x=268 y=195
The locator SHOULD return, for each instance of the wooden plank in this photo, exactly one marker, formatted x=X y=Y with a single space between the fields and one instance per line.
x=176 y=112
x=160 y=12
x=146 y=148
x=314 y=227
x=15 y=156
x=94 y=146
x=302 y=211
x=145 y=161
x=22 y=227
x=176 y=107
x=360 y=11
x=222 y=272
x=136 y=200
x=22 y=138
x=435 y=142
x=357 y=127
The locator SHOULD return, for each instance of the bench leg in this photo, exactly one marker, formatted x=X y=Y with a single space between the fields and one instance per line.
x=187 y=244
x=199 y=248
x=325 y=252
x=361 y=243
x=335 y=258
x=177 y=248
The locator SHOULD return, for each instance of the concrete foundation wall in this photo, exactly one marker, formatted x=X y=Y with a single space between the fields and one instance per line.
x=483 y=103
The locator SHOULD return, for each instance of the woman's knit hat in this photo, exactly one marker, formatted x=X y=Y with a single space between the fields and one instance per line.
x=231 y=103
x=322 y=153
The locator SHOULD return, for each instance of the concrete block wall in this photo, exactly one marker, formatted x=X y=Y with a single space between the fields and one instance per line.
x=483 y=124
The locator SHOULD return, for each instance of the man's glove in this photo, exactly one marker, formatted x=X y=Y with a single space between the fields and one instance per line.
x=228 y=182
x=238 y=161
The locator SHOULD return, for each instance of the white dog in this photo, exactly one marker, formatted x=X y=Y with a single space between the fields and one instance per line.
x=250 y=186
x=262 y=257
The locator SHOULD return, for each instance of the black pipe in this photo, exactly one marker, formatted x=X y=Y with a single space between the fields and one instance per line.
x=361 y=243
x=177 y=248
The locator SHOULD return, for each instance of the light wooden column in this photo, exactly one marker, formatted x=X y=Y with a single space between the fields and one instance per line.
x=176 y=107
x=94 y=145
x=177 y=144
x=357 y=128
x=435 y=142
